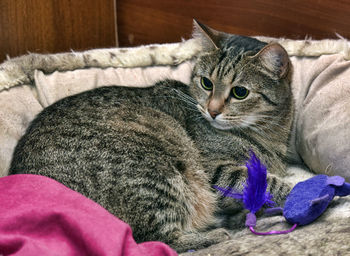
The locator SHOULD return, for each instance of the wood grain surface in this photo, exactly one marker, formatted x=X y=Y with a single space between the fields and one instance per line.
x=49 y=26
x=160 y=21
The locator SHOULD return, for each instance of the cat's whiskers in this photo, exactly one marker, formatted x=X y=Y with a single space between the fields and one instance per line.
x=234 y=119
x=189 y=105
x=250 y=125
x=253 y=124
x=184 y=96
x=259 y=131
x=274 y=123
x=266 y=131
x=266 y=118
x=201 y=109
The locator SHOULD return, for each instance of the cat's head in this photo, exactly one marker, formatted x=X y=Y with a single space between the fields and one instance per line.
x=239 y=81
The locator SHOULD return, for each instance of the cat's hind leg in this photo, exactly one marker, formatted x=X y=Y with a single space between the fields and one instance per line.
x=176 y=208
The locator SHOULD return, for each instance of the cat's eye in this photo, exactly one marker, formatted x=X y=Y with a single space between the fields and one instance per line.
x=239 y=92
x=206 y=84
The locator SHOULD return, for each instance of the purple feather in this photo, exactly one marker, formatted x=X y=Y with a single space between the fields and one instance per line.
x=254 y=192
x=228 y=192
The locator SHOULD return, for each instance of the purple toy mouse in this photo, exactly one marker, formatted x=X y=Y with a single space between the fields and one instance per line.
x=310 y=198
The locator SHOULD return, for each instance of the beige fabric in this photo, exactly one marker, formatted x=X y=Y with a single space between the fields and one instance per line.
x=62 y=84
x=18 y=107
x=322 y=91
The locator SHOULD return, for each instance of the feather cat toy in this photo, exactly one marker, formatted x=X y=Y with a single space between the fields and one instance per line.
x=304 y=204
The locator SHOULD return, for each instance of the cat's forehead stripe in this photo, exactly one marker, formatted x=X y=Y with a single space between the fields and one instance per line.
x=222 y=66
x=212 y=70
x=234 y=75
x=229 y=63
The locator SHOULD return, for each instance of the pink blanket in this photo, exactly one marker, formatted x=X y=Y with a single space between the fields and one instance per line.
x=39 y=216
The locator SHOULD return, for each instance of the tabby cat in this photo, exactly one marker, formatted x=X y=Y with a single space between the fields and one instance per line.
x=151 y=155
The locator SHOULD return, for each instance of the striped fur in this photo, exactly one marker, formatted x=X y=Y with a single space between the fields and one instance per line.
x=151 y=155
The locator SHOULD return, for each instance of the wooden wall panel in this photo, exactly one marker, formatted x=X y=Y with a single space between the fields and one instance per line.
x=49 y=26
x=160 y=21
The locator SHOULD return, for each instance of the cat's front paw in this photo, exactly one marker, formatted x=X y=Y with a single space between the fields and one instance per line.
x=200 y=240
x=219 y=235
x=278 y=188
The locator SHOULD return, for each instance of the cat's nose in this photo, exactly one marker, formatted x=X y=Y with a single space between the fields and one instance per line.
x=215 y=106
x=213 y=113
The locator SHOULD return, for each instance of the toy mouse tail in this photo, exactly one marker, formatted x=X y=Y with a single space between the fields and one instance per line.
x=273 y=232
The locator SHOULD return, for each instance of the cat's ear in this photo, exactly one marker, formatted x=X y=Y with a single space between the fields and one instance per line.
x=275 y=58
x=209 y=38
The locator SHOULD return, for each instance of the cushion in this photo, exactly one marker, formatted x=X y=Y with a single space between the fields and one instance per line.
x=322 y=124
x=18 y=107
x=58 y=85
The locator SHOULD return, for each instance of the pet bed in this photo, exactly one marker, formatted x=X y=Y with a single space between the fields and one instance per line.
x=320 y=140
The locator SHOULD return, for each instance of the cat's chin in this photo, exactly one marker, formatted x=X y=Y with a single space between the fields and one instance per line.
x=221 y=126
x=217 y=123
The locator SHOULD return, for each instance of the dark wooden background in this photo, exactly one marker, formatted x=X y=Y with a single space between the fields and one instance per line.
x=50 y=26
x=160 y=21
